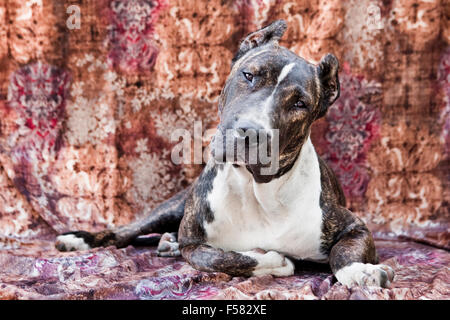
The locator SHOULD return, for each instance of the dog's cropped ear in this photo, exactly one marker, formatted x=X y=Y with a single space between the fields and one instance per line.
x=327 y=70
x=271 y=33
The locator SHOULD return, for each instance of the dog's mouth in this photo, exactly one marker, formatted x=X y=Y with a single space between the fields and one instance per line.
x=253 y=148
x=248 y=155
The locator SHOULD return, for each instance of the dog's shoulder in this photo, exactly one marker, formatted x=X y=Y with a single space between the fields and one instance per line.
x=337 y=219
x=331 y=188
x=197 y=208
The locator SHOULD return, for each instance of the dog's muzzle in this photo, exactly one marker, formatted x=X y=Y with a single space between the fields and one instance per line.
x=246 y=142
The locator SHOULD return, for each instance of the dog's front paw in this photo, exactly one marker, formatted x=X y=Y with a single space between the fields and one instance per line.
x=366 y=274
x=72 y=241
x=272 y=263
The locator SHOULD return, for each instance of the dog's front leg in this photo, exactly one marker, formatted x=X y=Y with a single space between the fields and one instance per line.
x=249 y=263
x=354 y=261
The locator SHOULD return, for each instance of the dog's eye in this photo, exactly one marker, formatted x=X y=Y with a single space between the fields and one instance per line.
x=299 y=105
x=248 y=76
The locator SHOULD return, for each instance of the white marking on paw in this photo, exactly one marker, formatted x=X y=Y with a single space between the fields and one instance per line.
x=365 y=274
x=167 y=246
x=271 y=263
x=71 y=242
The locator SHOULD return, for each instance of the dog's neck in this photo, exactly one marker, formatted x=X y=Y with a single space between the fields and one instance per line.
x=301 y=183
x=287 y=159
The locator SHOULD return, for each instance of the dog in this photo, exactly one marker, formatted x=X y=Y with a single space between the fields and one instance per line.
x=237 y=220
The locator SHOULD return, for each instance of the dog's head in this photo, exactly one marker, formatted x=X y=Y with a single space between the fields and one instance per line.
x=277 y=95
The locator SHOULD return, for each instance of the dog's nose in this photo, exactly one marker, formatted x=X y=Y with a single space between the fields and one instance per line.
x=250 y=132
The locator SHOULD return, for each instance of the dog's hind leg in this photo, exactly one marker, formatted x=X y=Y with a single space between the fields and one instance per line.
x=164 y=218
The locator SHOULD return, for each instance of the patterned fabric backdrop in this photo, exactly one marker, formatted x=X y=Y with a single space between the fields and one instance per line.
x=86 y=113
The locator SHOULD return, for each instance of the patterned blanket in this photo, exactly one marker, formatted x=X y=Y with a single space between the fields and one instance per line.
x=38 y=271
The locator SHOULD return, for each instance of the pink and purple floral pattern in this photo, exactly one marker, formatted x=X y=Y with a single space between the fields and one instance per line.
x=37 y=94
x=173 y=287
x=353 y=125
x=131 y=34
x=130 y=273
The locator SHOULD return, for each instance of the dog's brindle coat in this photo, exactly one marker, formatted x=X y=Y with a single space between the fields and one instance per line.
x=234 y=219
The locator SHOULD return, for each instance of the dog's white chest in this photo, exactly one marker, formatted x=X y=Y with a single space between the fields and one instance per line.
x=283 y=215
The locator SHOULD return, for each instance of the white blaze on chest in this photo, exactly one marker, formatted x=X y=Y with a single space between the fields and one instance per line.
x=283 y=215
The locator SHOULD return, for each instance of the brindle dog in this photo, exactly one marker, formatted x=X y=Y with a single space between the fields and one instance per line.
x=237 y=220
